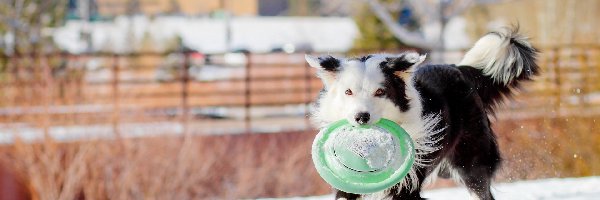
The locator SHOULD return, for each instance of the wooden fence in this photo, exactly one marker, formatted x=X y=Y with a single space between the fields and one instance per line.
x=189 y=92
x=569 y=85
x=239 y=93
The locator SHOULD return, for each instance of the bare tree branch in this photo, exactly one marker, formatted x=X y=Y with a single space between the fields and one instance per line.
x=426 y=11
x=457 y=8
x=410 y=38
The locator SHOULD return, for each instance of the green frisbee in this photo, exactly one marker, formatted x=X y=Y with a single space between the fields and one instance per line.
x=363 y=159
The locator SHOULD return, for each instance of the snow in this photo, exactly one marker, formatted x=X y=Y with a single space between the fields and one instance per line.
x=455 y=33
x=208 y=35
x=29 y=133
x=374 y=145
x=265 y=119
x=547 y=189
x=586 y=188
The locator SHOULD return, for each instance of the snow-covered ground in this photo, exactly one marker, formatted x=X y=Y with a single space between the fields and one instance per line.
x=265 y=119
x=587 y=188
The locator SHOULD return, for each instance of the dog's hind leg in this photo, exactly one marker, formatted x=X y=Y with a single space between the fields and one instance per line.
x=478 y=182
x=476 y=165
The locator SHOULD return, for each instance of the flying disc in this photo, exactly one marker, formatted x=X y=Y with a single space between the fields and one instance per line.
x=363 y=159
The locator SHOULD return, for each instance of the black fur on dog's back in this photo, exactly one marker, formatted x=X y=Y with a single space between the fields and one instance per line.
x=465 y=96
x=469 y=145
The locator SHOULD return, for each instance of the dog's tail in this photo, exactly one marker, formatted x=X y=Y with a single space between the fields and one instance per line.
x=498 y=63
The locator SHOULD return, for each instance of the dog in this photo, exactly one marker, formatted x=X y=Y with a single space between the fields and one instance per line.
x=445 y=108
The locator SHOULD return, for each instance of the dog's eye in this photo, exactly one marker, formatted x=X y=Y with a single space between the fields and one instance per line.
x=380 y=92
x=348 y=92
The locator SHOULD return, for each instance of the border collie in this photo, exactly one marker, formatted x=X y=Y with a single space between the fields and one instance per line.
x=444 y=108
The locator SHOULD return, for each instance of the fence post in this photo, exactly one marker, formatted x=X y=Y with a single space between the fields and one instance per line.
x=116 y=97
x=47 y=90
x=308 y=90
x=557 y=82
x=247 y=93
x=185 y=93
x=585 y=73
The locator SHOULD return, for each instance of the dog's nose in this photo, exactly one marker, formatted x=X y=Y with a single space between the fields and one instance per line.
x=362 y=118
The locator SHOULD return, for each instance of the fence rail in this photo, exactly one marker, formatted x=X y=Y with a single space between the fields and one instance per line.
x=568 y=85
x=189 y=92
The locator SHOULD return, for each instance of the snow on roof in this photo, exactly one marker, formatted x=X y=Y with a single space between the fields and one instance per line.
x=207 y=35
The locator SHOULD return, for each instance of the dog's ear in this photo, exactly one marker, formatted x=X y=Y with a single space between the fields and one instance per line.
x=327 y=66
x=326 y=63
x=403 y=62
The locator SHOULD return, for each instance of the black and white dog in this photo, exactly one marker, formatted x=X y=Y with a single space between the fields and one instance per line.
x=444 y=108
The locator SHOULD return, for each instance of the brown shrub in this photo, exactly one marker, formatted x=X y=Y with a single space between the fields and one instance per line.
x=549 y=147
x=242 y=166
x=262 y=165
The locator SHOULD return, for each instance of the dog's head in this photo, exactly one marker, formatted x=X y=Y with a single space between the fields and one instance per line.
x=363 y=90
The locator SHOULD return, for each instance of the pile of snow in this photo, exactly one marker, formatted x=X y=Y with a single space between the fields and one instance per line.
x=208 y=35
x=587 y=188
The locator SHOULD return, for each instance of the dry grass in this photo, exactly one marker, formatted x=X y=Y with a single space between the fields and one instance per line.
x=262 y=165
x=550 y=147
x=243 y=166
